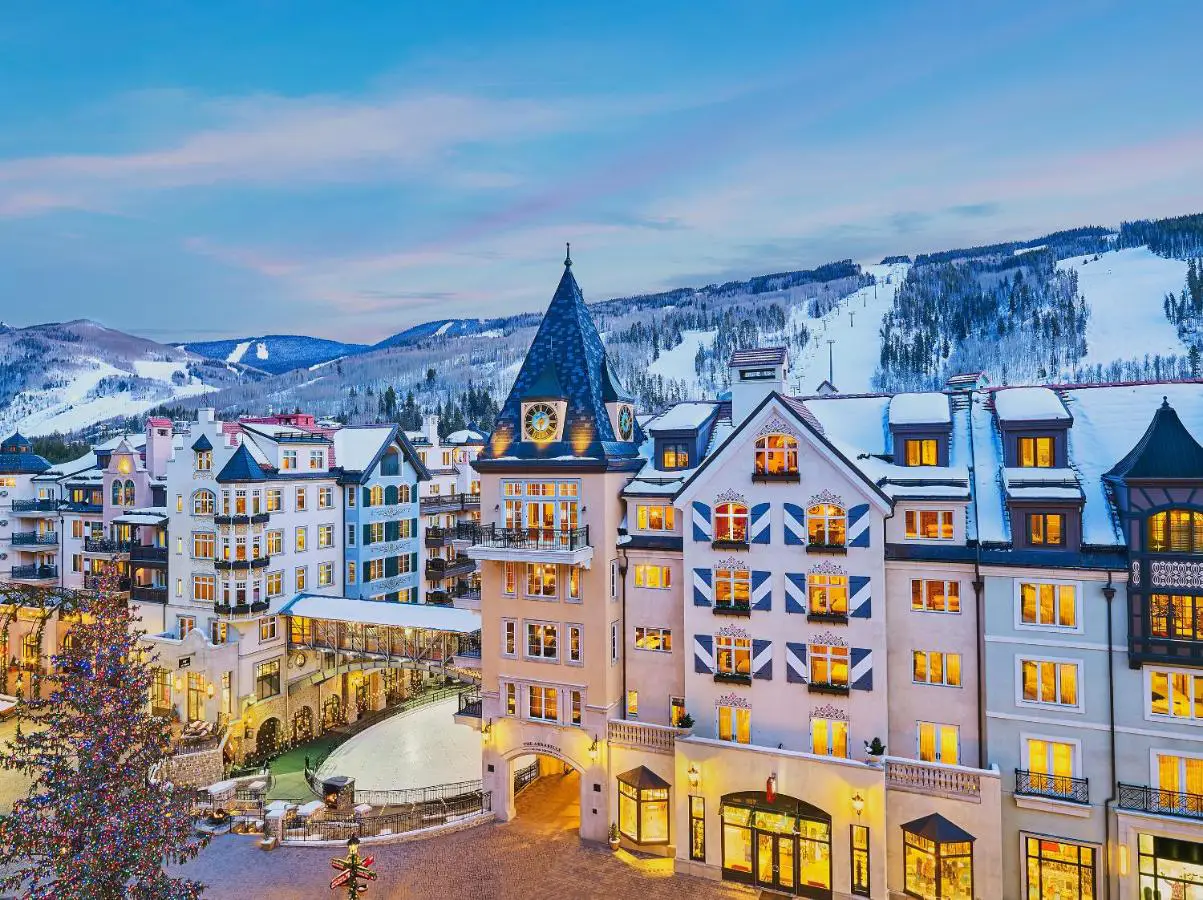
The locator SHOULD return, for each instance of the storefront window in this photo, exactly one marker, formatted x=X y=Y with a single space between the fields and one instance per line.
x=643 y=806
x=938 y=859
x=1061 y=870
x=859 y=839
x=697 y=828
x=779 y=843
x=1170 y=868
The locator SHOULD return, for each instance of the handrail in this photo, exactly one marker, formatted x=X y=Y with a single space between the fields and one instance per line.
x=531 y=538
x=1059 y=787
x=1143 y=798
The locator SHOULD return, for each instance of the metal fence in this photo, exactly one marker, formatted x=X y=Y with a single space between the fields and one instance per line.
x=523 y=777
x=452 y=791
x=420 y=815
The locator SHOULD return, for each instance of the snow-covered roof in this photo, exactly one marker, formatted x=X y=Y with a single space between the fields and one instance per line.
x=758 y=356
x=134 y=517
x=689 y=415
x=920 y=409
x=1029 y=404
x=376 y=612
x=465 y=436
x=355 y=447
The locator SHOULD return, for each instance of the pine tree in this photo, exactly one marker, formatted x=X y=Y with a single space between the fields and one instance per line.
x=97 y=823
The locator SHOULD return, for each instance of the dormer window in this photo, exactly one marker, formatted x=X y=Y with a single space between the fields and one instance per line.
x=1176 y=531
x=674 y=456
x=1046 y=529
x=1037 y=452
x=288 y=459
x=204 y=460
x=777 y=455
x=317 y=459
x=922 y=452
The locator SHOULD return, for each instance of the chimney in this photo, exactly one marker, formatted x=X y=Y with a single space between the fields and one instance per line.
x=754 y=375
x=206 y=414
x=430 y=428
x=158 y=445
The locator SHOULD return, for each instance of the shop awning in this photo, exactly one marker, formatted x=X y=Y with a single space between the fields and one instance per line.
x=938 y=829
x=379 y=612
x=781 y=804
x=643 y=779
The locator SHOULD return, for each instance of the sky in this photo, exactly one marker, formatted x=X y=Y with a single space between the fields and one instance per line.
x=194 y=171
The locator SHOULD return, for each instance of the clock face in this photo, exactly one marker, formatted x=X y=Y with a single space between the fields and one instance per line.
x=626 y=423
x=540 y=422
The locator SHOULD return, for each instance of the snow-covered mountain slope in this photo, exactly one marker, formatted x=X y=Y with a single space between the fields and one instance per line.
x=274 y=353
x=69 y=376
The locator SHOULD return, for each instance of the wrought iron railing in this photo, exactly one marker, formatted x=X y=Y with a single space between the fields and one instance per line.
x=449 y=568
x=147 y=553
x=106 y=545
x=1058 y=787
x=20 y=538
x=148 y=593
x=29 y=572
x=95 y=583
x=242 y=609
x=531 y=538
x=449 y=502
x=1143 y=798
x=524 y=776
x=470 y=704
x=35 y=505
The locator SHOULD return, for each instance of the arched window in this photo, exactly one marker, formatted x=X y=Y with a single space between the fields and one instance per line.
x=777 y=454
x=827 y=525
x=731 y=523
x=390 y=494
x=377 y=495
x=203 y=503
x=129 y=493
x=1176 y=531
x=117 y=492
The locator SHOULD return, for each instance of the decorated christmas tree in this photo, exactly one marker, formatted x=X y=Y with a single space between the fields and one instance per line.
x=99 y=822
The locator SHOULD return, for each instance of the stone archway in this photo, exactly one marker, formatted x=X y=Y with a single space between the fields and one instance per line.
x=551 y=798
x=267 y=739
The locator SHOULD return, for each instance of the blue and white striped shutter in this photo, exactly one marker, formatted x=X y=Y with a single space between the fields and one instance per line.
x=795 y=592
x=762 y=659
x=702 y=530
x=703 y=587
x=860 y=603
x=795 y=663
x=759 y=530
x=795 y=525
x=858 y=526
x=762 y=590
x=703 y=654
x=862 y=669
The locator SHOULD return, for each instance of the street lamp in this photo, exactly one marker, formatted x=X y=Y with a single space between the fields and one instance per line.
x=594 y=749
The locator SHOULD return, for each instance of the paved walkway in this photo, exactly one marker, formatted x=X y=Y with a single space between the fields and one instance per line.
x=537 y=855
x=13 y=785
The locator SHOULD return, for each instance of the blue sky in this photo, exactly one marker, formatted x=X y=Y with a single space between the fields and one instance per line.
x=194 y=171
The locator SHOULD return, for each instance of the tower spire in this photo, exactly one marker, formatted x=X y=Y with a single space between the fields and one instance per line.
x=567 y=255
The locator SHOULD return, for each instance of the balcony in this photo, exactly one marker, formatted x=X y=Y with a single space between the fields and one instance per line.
x=772 y=477
x=732 y=609
x=242 y=519
x=1141 y=798
x=449 y=503
x=644 y=736
x=439 y=537
x=827 y=687
x=242 y=565
x=830 y=549
x=93 y=583
x=242 y=610
x=147 y=553
x=25 y=506
x=438 y=598
x=106 y=545
x=35 y=538
x=934 y=779
x=1053 y=787
x=438 y=569
x=34 y=573
x=83 y=506
x=148 y=593
x=569 y=547
x=732 y=678
x=469 y=712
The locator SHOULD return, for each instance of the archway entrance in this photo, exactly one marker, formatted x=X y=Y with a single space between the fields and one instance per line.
x=547 y=793
x=332 y=712
x=302 y=725
x=267 y=739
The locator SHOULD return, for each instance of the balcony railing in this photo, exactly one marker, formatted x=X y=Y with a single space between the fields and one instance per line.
x=82 y=506
x=93 y=583
x=933 y=779
x=657 y=738
x=34 y=572
x=1142 y=798
x=242 y=609
x=258 y=562
x=766 y=477
x=439 y=537
x=449 y=503
x=242 y=519
x=1057 y=787
x=25 y=538
x=531 y=538
x=20 y=506
x=148 y=593
x=438 y=598
x=106 y=545
x=469 y=705
x=438 y=569
x=147 y=553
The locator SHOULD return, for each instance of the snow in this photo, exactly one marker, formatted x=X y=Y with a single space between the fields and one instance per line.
x=420 y=748
x=491 y=333
x=261 y=350
x=855 y=326
x=237 y=353
x=1125 y=290
x=443 y=329
x=1029 y=404
x=355 y=448
x=678 y=362
x=857 y=421
x=688 y=415
x=328 y=362
x=920 y=409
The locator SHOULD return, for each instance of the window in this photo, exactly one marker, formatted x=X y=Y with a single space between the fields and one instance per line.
x=1036 y=452
x=858 y=837
x=77 y=529
x=614 y=579
x=542 y=640
x=934 y=667
x=1059 y=869
x=578 y=706
x=1176 y=531
x=203 y=544
x=317 y=459
x=674 y=456
x=511 y=699
x=733 y=655
x=935 y=596
x=1048 y=605
x=179 y=587
x=1176 y=616
x=240 y=502
x=929 y=524
x=735 y=724
x=1050 y=765
x=375 y=533
x=676 y=709
x=267 y=628
x=288 y=459
x=941 y=869
x=655 y=518
x=1176 y=694
x=574 y=643
x=375 y=570
x=777 y=454
x=731 y=523
x=203 y=503
x=267 y=679
x=302 y=538
x=828 y=737
x=922 y=452
x=542 y=703
x=325 y=498
x=1046 y=529
x=325 y=574
x=302 y=576
x=826 y=525
x=302 y=498
x=650 y=576
x=274 y=500
x=574 y=583
x=643 y=812
x=204 y=588
x=828 y=594
x=325 y=535
x=510 y=584
x=351 y=496
x=614 y=643
x=939 y=743
x=1049 y=682
x=541 y=580
x=509 y=637
x=204 y=460
x=732 y=588
x=828 y=665
x=376 y=496
x=697 y=828
x=31 y=647
x=160 y=688
x=648 y=638
x=632 y=704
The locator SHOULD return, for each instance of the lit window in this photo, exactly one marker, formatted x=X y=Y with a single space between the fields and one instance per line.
x=632 y=704
x=1176 y=694
x=828 y=737
x=648 y=638
x=937 y=868
x=574 y=643
x=543 y=703
x=267 y=679
x=203 y=544
x=1046 y=529
x=733 y=655
x=929 y=595
x=642 y=811
x=541 y=580
x=826 y=525
x=267 y=628
x=511 y=699
x=325 y=574
x=275 y=584
x=929 y=524
x=578 y=706
x=650 y=576
x=288 y=459
x=1176 y=616
x=302 y=577
x=1049 y=682
x=674 y=456
x=934 y=667
x=777 y=454
x=735 y=724
x=204 y=460
x=325 y=498
x=275 y=542
x=317 y=459
x=921 y=452
x=325 y=535
x=1060 y=869
x=1175 y=531
x=1048 y=605
x=732 y=589
x=542 y=640
x=203 y=503
x=275 y=501
x=204 y=588
x=510 y=585
x=828 y=665
x=1036 y=452
x=655 y=518
x=731 y=523
x=302 y=499
x=302 y=538
x=939 y=743
x=828 y=594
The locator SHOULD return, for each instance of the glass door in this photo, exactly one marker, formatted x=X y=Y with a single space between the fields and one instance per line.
x=775 y=860
x=196 y=696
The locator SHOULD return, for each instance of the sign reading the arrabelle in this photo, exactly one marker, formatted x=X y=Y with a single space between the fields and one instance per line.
x=541 y=747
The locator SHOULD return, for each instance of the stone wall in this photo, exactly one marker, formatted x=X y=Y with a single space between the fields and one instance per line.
x=196 y=769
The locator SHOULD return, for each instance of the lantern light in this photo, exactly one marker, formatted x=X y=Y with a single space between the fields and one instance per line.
x=858 y=804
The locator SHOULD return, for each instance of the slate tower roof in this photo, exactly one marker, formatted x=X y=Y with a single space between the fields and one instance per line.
x=566 y=362
x=1167 y=450
x=17 y=457
x=241 y=467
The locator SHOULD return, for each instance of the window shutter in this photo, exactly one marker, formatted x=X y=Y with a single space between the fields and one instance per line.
x=703 y=654
x=762 y=659
x=861 y=676
x=762 y=591
x=703 y=587
x=795 y=663
x=392 y=530
x=367 y=497
x=795 y=525
x=758 y=526
x=858 y=526
x=702 y=529
x=860 y=603
x=413 y=561
x=795 y=592
x=367 y=534
x=390 y=566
